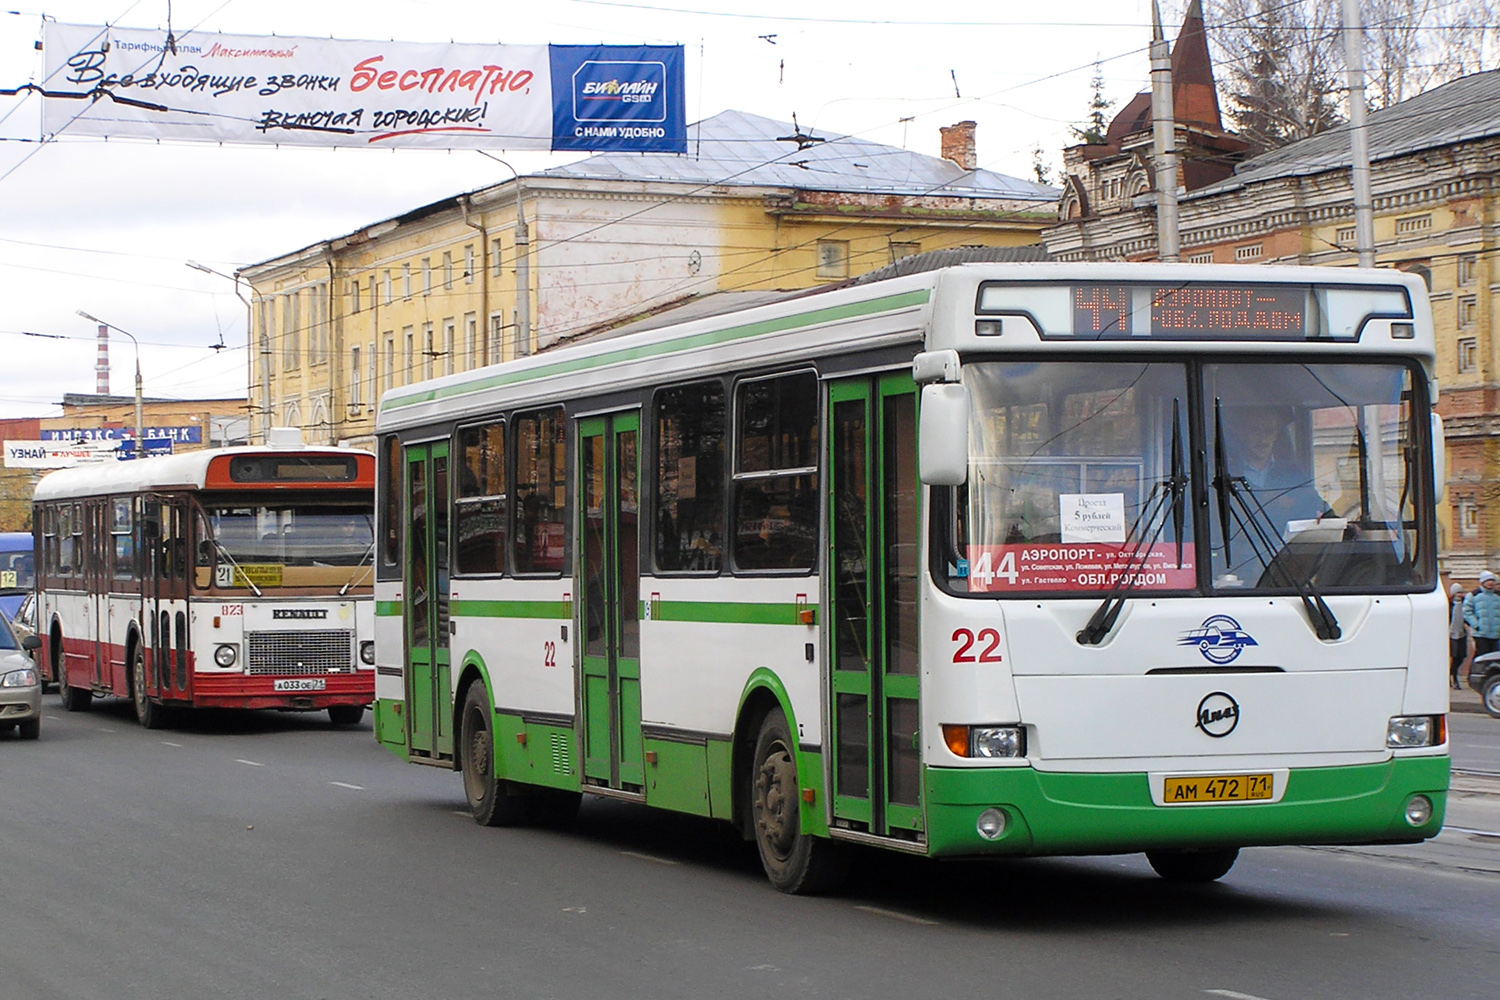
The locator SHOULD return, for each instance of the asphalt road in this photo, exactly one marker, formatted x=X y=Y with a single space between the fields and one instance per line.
x=272 y=856
x=1475 y=741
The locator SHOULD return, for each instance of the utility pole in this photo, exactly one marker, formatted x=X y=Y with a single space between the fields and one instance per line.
x=1164 y=132
x=1359 y=139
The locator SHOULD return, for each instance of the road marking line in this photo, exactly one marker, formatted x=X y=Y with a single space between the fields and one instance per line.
x=1233 y=995
x=169 y=743
x=345 y=784
x=1476 y=833
x=895 y=915
x=250 y=762
x=647 y=857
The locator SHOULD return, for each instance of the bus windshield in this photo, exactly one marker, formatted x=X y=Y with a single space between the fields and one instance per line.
x=1081 y=479
x=259 y=541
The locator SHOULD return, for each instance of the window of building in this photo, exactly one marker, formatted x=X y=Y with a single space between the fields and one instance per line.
x=317 y=329
x=775 y=472
x=1467 y=308
x=1251 y=252
x=497 y=334
x=833 y=259
x=690 y=478
x=1467 y=268
x=406 y=281
x=1414 y=224
x=355 y=374
x=388 y=289
x=900 y=250
x=390 y=362
x=429 y=350
x=373 y=293
x=409 y=369
x=1468 y=354
x=479 y=512
x=469 y=264
x=1345 y=236
x=1468 y=518
x=426 y=275
x=495 y=258
x=1206 y=257
x=447 y=268
x=540 y=478
x=471 y=339
x=354 y=296
x=448 y=346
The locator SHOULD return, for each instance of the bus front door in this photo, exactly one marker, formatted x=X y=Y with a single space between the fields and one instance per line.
x=608 y=585
x=872 y=580
x=429 y=695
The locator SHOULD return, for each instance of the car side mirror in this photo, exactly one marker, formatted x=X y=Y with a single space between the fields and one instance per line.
x=31 y=643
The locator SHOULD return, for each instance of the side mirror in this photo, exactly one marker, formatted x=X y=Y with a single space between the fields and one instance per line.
x=943 y=438
x=1439 y=460
x=31 y=643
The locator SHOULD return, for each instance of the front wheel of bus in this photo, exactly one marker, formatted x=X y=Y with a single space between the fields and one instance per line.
x=73 y=699
x=1193 y=866
x=147 y=712
x=492 y=802
x=1492 y=696
x=794 y=861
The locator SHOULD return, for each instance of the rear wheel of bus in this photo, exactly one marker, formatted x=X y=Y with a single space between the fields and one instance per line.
x=794 y=861
x=1193 y=866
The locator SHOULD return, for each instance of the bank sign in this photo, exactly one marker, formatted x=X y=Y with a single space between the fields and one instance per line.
x=205 y=87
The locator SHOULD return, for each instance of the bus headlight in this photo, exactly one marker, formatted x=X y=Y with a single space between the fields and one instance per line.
x=225 y=654
x=985 y=741
x=367 y=652
x=1406 y=731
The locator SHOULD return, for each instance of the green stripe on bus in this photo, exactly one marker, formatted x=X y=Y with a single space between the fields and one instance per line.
x=512 y=609
x=724 y=612
x=709 y=339
x=388 y=609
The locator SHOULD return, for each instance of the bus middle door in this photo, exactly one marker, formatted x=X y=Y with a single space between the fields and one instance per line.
x=608 y=584
x=429 y=692
x=873 y=596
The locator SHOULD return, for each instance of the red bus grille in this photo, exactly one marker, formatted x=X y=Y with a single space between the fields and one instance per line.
x=299 y=653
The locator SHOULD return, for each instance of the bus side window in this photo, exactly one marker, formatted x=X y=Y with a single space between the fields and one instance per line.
x=776 y=472
x=689 y=526
x=480 y=508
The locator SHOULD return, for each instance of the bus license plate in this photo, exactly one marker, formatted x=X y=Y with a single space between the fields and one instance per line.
x=1207 y=788
x=300 y=684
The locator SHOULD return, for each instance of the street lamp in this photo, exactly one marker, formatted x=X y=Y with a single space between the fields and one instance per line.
x=249 y=328
x=140 y=437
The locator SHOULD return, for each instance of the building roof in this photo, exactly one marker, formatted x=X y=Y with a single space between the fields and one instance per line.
x=1466 y=109
x=736 y=149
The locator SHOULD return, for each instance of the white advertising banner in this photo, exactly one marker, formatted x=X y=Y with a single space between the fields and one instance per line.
x=57 y=454
x=110 y=81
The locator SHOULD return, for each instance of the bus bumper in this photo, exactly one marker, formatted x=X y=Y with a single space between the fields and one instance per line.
x=1075 y=813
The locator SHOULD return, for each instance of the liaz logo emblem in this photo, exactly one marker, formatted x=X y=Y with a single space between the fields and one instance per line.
x=1220 y=639
x=1218 y=714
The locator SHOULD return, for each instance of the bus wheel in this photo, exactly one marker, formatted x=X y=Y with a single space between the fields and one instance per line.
x=1193 y=866
x=794 y=861
x=345 y=715
x=73 y=699
x=492 y=802
x=148 y=713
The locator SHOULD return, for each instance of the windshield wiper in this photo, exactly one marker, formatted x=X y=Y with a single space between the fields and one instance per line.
x=1235 y=501
x=1173 y=489
x=245 y=576
x=355 y=571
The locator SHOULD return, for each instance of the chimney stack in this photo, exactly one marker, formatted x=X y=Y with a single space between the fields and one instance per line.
x=101 y=364
x=958 y=145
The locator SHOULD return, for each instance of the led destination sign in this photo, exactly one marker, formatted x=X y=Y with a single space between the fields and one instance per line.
x=1210 y=310
x=1236 y=312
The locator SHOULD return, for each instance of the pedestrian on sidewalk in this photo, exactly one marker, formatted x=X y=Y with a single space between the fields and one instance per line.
x=1458 y=634
x=1482 y=614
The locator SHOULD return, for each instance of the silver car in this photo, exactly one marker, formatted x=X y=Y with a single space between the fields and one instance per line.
x=20 y=684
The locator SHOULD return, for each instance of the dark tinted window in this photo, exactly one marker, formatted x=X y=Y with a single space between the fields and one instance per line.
x=690 y=478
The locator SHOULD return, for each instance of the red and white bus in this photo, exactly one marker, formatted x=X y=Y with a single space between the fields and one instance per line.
x=223 y=578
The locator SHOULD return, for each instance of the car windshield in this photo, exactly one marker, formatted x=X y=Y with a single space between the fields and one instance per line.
x=1082 y=479
x=7 y=637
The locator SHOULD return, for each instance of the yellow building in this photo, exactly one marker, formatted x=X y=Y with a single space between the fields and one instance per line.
x=756 y=205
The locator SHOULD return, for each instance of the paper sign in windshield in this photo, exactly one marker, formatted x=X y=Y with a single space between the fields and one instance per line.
x=1092 y=566
x=1092 y=517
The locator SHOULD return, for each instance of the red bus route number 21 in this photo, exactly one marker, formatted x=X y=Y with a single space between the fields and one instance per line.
x=987 y=643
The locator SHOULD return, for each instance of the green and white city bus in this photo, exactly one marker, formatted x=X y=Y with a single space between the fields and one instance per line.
x=993 y=559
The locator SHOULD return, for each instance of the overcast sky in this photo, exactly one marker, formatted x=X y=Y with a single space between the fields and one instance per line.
x=107 y=226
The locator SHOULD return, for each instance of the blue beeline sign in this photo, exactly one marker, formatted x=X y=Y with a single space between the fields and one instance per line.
x=618 y=98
